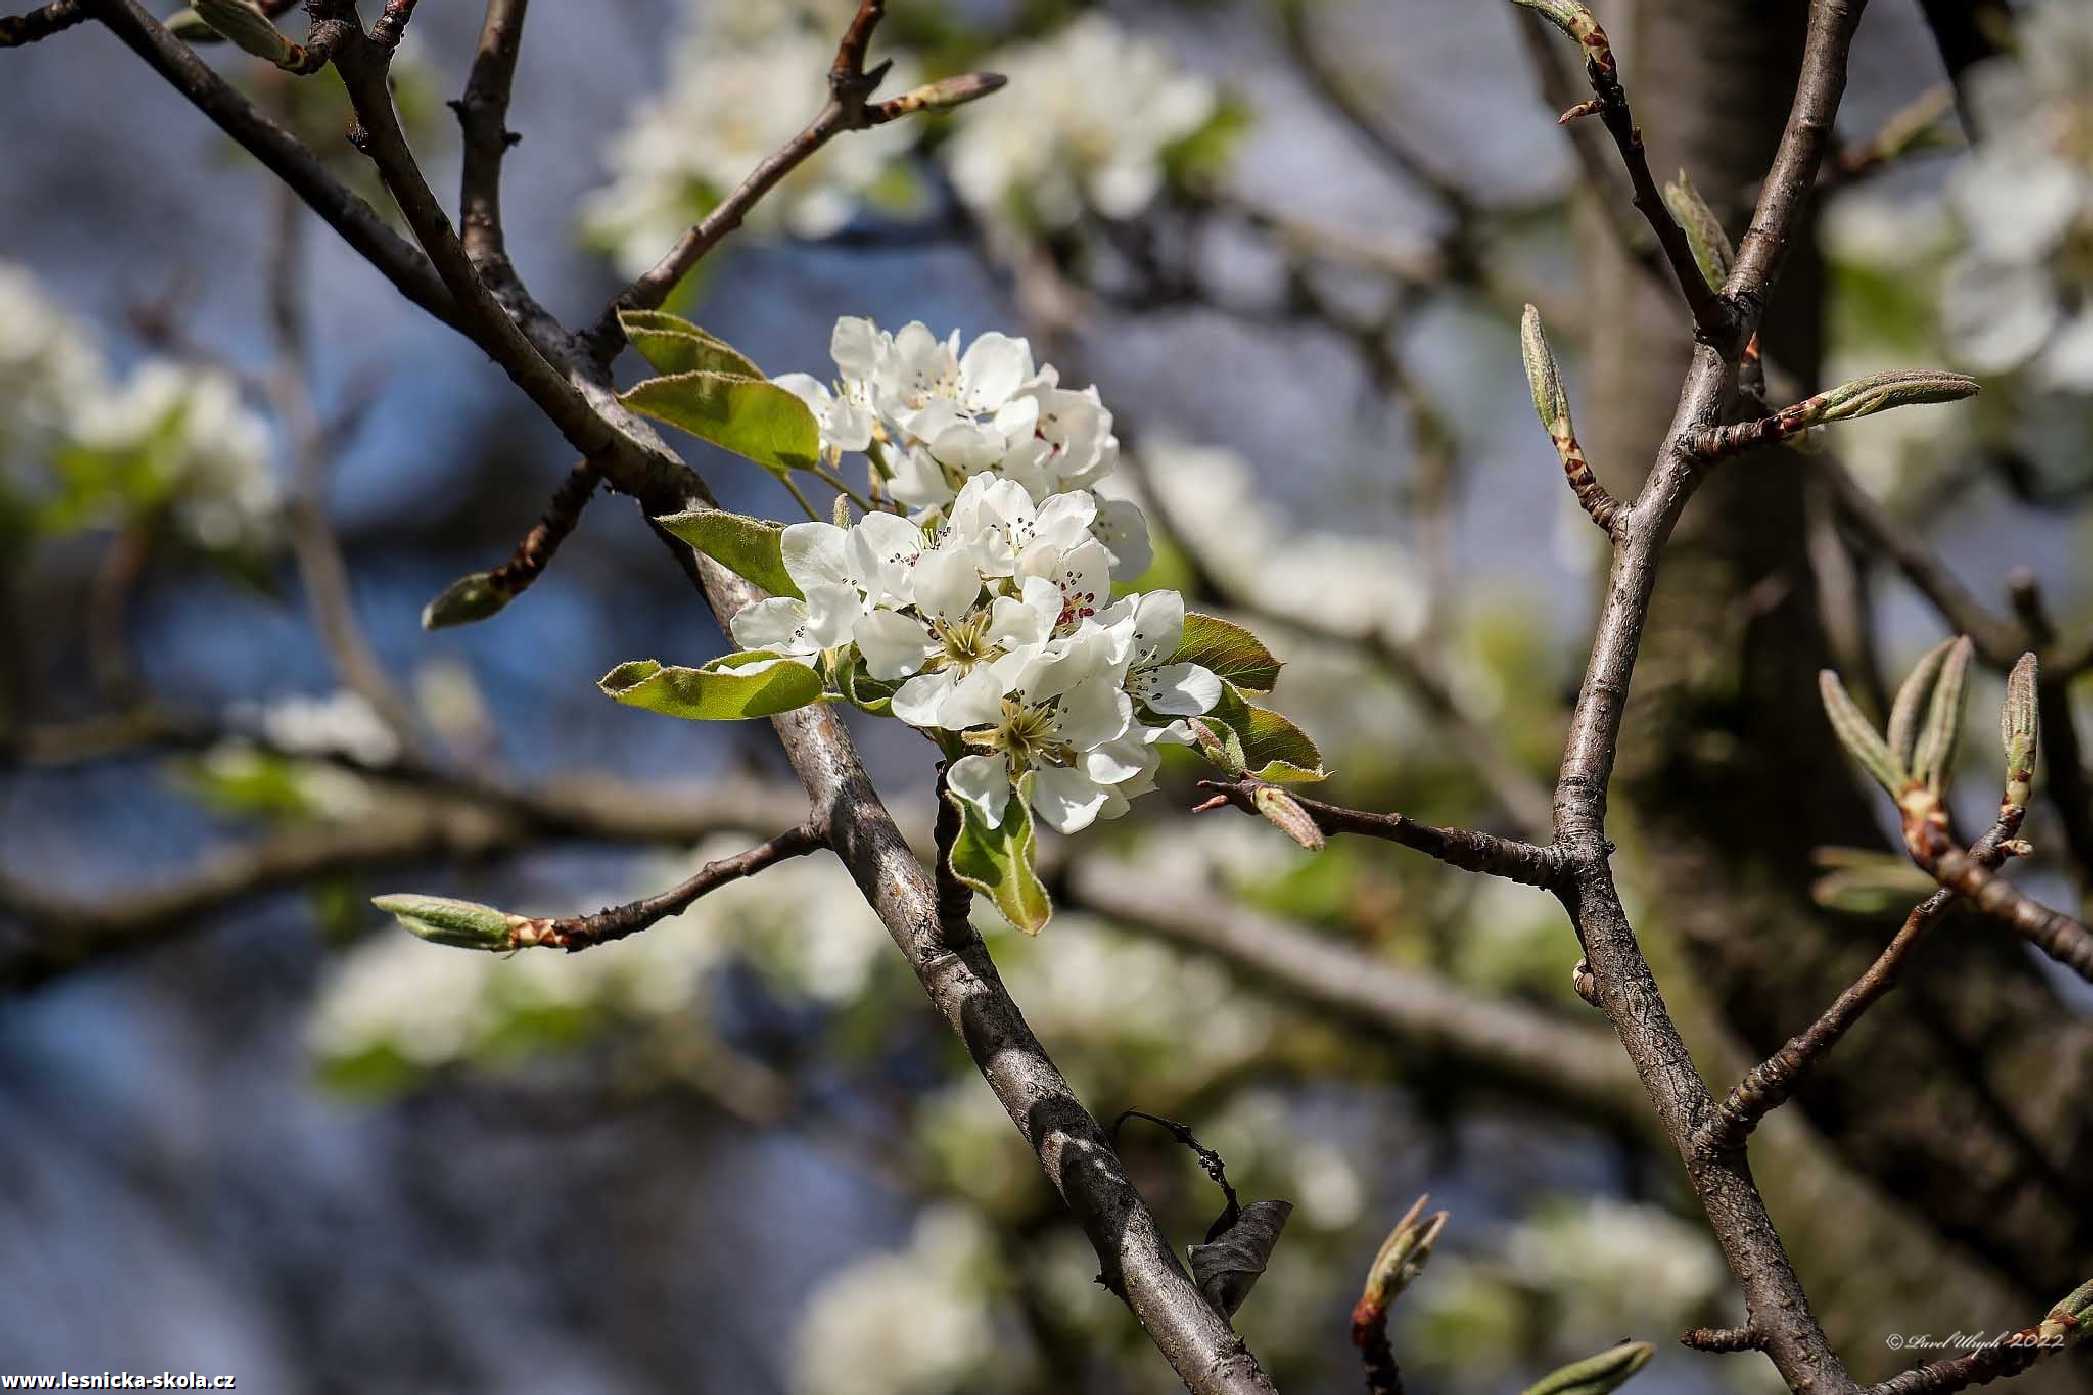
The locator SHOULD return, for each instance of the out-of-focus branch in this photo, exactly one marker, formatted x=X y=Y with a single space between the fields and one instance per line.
x=1530 y=1051
x=1967 y=32
x=283 y=154
x=40 y=23
x=1466 y=848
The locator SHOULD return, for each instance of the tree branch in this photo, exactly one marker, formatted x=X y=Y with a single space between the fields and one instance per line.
x=483 y=118
x=282 y=153
x=576 y=933
x=1466 y=848
x=40 y=23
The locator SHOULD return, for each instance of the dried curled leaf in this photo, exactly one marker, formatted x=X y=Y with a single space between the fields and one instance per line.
x=1227 y=1267
x=1860 y=739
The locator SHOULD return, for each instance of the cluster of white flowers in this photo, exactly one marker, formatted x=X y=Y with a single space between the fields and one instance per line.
x=1085 y=123
x=742 y=80
x=2022 y=295
x=910 y=1323
x=187 y=436
x=990 y=606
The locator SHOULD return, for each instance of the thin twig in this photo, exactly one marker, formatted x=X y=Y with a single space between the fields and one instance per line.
x=483 y=119
x=1466 y=848
x=40 y=23
x=562 y=512
x=391 y=24
x=1721 y=1340
x=576 y=933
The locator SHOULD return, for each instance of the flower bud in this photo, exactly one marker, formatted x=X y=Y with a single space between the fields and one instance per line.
x=469 y=598
x=1712 y=250
x=244 y=22
x=1595 y=1375
x=1550 y=402
x=459 y=924
x=945 y=93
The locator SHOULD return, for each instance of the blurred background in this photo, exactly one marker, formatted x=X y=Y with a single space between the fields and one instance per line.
x=250 y=1130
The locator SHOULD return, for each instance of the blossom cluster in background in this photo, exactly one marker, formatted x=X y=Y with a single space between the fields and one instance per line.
x=82 y=446
x=746 y=77
x=2021 y=295
x=990 y=605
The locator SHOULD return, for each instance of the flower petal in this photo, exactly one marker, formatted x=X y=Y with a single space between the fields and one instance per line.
x=921 y=701
x=947 y=583
x=1093 y=712
x=815 y=554
x=776 y=622
x=984 y=782
x=994 y=367
x=894 y=645
x=1067 y=799
x=1178 y=690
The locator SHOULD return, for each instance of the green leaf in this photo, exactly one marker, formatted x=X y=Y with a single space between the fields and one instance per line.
x=755 y=419
x=748 y=547
x=470 y=598
x=1267 y=745
x=1860 y=739
x=247 y=26
x=1943 y=733
x=1712 y=250
x=443 y=921
x=675 y=345
x=1229 y=650
x=1904 y=712
x=716 y=693
x=1595 y=1375
x=997 y=862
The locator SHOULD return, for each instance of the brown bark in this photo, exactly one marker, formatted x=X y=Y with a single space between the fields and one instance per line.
x=1954 y=1097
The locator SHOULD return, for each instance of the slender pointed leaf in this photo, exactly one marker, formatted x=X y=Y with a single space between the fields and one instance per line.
x=1860 y=739
x=1911 y=701
x=1943 y=733
x=748 y=547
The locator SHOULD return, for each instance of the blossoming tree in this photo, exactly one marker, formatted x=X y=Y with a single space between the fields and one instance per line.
x=977 y=578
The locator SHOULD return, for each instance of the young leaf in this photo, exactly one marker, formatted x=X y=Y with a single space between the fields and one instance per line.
x=443 y=921
x=1712 y=250
x=2017 y=730
x=998 y=862
x=1911 y=698
x=1881 y=391
x=1229 y=650
x=244 y=22
x=758 y=420
x=1258 y=741
x=748 y=547
x=759 y=685
x=1284 y=813
x=1861 y=740
x=1595 y=1375
x=1550 y=402
x=675 y=345
x=1936 y=748
x=471 y=597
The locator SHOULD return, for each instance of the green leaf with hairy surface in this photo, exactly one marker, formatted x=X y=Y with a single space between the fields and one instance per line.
x=721 y=692
x=245 y=23
x=1266 y=744
x=1713 y=252
x=1595 y=1375
x=675 y=345
x=998 y=862
x=1943 y=733
x=443 y=921
x=1857 y=735
x=747 y=547
x=468 y=599
x=1229 y=650
x=1911 y=699
x=758 y=420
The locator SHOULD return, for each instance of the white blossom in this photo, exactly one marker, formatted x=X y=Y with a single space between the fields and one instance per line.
x=2021 y=295
x=204 y=448
x=916 y=1322
x=738 y=90
x=1085 y=123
